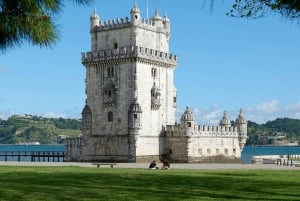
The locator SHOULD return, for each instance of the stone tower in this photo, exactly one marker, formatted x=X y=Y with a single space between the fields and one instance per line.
x=241 y=124
x=129 y=87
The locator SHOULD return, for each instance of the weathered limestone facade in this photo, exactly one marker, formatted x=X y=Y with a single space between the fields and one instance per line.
x=129 y=114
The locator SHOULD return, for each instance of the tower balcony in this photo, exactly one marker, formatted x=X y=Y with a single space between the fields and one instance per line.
x=142 y=54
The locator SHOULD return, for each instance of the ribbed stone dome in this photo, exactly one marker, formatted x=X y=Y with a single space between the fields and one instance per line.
x=241 y=119
x=135 y=107
x=225 y=121
x=156 y=16
x=135 y=9
x=166 y=19
x=187 y=115
x=94 y=15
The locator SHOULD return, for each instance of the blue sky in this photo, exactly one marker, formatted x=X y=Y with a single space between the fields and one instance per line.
x=224 y=63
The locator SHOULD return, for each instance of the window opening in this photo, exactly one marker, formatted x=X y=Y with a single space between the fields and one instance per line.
x=110 y=116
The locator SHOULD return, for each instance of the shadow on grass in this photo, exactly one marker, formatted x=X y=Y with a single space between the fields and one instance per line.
x=74 y=183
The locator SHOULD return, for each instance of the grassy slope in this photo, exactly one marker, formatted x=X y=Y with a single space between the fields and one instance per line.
x=33 y=129
x=75 y=183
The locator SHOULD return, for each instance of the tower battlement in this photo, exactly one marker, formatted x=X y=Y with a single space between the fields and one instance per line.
x=202 y=130
x=156 y=23
x=130 y=52
x=120 y=23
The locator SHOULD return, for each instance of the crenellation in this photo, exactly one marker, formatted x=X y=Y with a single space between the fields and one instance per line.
x=203 y=130
x=129 y=52
x=144 y=23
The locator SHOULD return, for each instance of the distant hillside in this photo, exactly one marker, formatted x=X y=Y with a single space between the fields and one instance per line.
x=28 y=128
x=282 y=131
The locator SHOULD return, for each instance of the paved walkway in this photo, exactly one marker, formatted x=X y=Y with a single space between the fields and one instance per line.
x=201 y=166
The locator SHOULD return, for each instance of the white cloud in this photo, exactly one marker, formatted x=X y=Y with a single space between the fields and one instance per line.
x=293 y=108
x=212 y=117
x=72 y=113
x=260 y=113
x=268 y=107
x=53 y=115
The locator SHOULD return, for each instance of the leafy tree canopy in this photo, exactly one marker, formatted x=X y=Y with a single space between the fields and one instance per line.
x=260 y=8
x=32 y=21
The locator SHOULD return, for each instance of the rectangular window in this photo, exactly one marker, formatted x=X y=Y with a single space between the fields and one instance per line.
x=208 y=151
x=217 y=151
x=200 y=151
x=226 y=151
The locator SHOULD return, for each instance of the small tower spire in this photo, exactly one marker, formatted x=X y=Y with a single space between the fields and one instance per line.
x=135 y=13
x=94 y=19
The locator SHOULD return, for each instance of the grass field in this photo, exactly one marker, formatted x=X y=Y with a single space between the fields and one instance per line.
x=78 y=183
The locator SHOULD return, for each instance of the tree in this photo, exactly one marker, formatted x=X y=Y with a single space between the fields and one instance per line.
x=31 y=21
x=289 y=9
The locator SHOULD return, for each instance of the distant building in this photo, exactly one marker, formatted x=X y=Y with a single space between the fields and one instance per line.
x=129 y=114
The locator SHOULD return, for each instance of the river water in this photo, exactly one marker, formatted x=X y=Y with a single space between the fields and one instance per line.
x=247 y=153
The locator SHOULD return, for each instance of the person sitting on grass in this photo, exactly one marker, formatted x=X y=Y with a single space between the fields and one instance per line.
x=166 y=165
x=153 y=165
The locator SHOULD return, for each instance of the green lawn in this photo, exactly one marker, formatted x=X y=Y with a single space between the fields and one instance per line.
x=78 y=183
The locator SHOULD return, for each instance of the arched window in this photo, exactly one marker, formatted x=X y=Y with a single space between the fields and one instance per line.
x=110 y=116
x=115 y=45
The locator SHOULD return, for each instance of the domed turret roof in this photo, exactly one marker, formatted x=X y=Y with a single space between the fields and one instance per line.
x=166 y=19
x=156 y=16
x=135 y=9
x=241 y=119
x=224 y=121
x=135 y=107
x=187 y=115
x=94 y=15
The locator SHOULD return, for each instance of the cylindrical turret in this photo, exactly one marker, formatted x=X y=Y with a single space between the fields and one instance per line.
x=135 y=14
x=94 y=20
x=86 y=120
x=135 y=115
x=224 y=121
x=166 y=22
x=187 y=121
x=157 y=20
x=241 y=124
